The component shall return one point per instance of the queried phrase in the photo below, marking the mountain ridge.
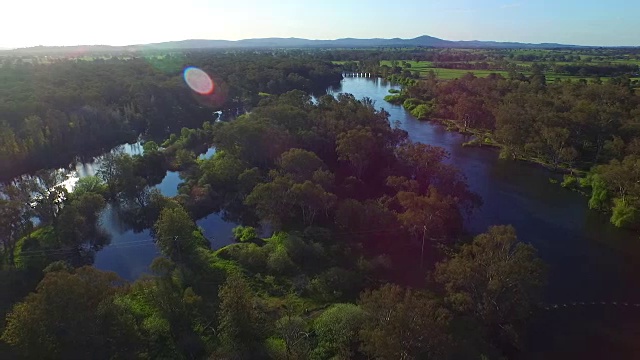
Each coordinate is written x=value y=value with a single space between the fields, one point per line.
x=293 y=42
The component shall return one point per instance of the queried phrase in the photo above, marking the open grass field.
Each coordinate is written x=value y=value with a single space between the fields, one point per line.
x=423 y=67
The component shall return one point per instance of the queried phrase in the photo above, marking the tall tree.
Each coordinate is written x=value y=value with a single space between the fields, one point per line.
x=239 y=328
x=337 y=329
x=403 y=324
x=497 y=280
x=176 y=233
x=61 y=320
x=357 y=146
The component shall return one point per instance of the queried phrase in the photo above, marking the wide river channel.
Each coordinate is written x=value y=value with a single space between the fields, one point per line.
x=589 y=260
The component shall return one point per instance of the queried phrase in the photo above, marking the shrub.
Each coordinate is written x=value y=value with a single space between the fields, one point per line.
x=244 y=233
x=624 y=214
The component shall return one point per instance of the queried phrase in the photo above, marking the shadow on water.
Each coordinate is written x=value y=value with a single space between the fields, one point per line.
x=129 y=252
x=588 y=258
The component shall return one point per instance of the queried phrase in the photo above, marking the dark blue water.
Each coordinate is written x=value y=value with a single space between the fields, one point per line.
x=589 y=259
x=130 y=253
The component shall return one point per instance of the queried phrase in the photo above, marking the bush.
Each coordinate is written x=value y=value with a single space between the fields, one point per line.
x=396 y=99
x=335 y=283
x=276 y=348
x=411 y=103
x=248 y=255
x=245 y=233
x=422 y=111
x=569 y=182
x=624 y=215
x=599 y=193
x=279 y=262
x=337 y=330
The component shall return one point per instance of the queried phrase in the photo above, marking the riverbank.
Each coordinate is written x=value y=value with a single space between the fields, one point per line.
x=484 y=139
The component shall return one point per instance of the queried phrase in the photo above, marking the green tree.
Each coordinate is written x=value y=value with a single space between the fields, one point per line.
x=245 y=233
x=495 y=279
x=293 y=330
x=311 y=198
x=337 y=329
x=63 y=318
x=89 y=184
x=300 y=164
x=177 y=235
x=272 y=201
x=50 y=194
x=357 y=146
x=239 y=328
x=404 y=324
x=15 y=217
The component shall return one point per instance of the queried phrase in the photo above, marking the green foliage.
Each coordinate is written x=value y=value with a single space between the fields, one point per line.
x=239 y=328
x=411 y=103
x=89 y=184
x=396 y=99
x=495 y=279
x=357 y=146
x=41 y=325
x=82 y=107
x=245 y=233
x=569 y=181
x=276 y=348
x=150 y=147
x=335 y=284
x=599 y=193
x=624 y=214
x=177 y=235
x=337 y=330
x=300 y=164
x=422 y=111
x=404 y=323
x=293 y=330
x=279 y=262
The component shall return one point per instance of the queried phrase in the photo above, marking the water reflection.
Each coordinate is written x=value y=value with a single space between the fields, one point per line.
x=588 y=258
x=130 y=252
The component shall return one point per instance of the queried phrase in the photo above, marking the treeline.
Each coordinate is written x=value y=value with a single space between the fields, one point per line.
x=361 y=217
x=566 y=124
x=51 y=112
x=596 y=70
x=577 y=69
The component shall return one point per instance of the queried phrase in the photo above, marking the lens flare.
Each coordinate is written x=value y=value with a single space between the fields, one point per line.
x=198 y=81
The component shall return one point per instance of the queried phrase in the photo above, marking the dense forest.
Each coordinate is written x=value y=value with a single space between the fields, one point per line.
x=53 y=111
x=368 y=257
x=577 y=126
x=366 y=254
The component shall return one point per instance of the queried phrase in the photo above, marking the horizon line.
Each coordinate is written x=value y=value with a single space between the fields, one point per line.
x=7 y=48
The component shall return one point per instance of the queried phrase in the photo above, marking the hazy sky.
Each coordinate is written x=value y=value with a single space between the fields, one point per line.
x=124 y=22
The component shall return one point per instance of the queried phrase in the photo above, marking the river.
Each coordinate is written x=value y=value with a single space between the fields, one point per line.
x=130 y=253
x=589 y=260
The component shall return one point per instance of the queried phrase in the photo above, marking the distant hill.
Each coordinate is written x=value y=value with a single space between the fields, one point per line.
x=425 y=41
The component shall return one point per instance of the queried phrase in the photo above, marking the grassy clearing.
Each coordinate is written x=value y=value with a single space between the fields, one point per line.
x=423 y=67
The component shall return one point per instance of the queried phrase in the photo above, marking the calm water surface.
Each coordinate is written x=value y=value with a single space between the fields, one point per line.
x=589 y=259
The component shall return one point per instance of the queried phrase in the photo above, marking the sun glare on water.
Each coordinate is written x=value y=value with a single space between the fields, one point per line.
x=198 y=81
